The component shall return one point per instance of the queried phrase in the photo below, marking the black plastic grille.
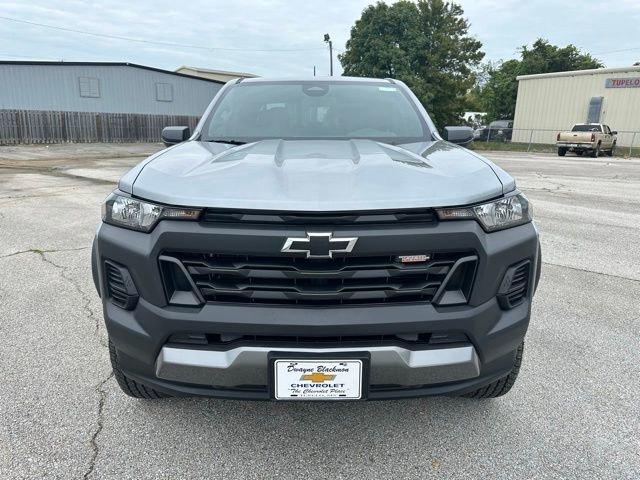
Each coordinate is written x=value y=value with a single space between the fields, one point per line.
x=519 y=285
x=120 y=287
x=292 y=280
x=225 y=341
x=421 y=216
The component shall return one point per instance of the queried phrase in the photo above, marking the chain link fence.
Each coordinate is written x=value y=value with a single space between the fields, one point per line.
x=525 y=139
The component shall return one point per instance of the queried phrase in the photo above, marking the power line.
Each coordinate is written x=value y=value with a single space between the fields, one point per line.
x=154 y=42
x=617 y=51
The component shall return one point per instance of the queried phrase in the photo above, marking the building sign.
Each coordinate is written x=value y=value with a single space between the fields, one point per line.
x=632 y=82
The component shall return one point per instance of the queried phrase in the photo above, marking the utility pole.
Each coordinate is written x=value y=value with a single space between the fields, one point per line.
x=327 y=39
x=314 y=70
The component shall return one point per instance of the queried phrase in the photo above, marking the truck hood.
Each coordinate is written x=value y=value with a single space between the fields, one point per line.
x=316 y=175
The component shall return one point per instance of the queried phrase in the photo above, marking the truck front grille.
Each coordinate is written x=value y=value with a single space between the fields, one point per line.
x=228 y=341
x=348 y=280
x=422 y=216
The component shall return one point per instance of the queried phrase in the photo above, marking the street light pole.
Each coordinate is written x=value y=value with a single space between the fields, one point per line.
x=327 y=39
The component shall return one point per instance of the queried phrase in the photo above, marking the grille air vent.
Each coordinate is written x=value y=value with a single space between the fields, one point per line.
x=120 y=287
x=421 y=216
x=227 y=340
x=515 y=285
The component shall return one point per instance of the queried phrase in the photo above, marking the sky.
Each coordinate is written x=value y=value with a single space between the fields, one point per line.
x=285 y=38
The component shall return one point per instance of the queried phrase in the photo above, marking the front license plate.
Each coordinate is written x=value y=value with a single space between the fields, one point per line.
x=307 y=379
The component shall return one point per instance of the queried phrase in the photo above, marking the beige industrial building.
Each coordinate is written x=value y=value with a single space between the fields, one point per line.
x=218 y=75
x=551 y=102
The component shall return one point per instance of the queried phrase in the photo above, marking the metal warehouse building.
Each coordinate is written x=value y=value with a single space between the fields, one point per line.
x=551 y=102
x=96 y=101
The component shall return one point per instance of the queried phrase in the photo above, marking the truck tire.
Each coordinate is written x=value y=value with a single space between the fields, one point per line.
x=612 y=152
x=129 y=386
x=502 y=385
x=94 y=267
x=538 y=269
x=562 y=152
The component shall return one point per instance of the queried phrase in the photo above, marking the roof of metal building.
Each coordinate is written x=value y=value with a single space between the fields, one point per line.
x=220 y=72
x=575 y=73
x=106 y=64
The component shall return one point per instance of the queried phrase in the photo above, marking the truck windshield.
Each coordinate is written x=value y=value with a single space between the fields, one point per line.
x=585 y=128
x=315 y=110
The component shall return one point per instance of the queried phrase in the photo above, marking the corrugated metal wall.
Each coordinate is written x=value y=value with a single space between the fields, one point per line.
x=556 y=103
x=122 y=89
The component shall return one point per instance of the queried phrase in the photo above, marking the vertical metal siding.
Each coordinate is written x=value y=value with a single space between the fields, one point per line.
x=556 y=103
x=123 y=89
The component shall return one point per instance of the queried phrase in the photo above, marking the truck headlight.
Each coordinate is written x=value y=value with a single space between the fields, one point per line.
x=507 y=212
x=135 y=214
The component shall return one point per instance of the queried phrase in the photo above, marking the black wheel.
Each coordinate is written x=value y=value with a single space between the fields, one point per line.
x=562 y=152
x=127 y=385
x=502 y=385
x=595 y=153
x=612 y=152
x=579 y=153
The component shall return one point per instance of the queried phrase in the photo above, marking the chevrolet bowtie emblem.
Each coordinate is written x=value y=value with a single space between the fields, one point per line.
x=317 y=377
x=319 y=245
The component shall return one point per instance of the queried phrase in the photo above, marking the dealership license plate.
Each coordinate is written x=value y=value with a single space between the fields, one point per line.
x=307 y=379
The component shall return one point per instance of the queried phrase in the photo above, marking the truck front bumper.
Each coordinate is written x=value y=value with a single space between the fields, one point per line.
x=249 y=365
x=242 y=371
x=484 y=335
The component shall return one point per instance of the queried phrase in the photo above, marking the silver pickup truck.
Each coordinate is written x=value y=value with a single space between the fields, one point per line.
x=316 y=240
x=594 y=138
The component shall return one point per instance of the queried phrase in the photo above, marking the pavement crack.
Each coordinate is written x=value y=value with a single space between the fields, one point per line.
x=93 y=442
x=555 y=186
x=41 y=251
x=577 y=269
x=86 y=305
x=86 y=300
x=100 y=390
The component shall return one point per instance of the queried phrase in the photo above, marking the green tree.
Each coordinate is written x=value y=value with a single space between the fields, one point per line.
x=424 y=44
x=473 y=100
x=500 y=92
x=501 y=89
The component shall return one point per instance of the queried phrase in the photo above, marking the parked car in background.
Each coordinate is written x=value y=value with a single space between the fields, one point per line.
x=592 y=138
x=498 y=130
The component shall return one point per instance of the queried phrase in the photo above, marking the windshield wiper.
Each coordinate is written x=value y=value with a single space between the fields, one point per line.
x=230 y=141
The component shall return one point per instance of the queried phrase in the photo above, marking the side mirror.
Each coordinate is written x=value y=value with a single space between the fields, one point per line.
x=458 y=135
x=174 y=135
x=614 y=132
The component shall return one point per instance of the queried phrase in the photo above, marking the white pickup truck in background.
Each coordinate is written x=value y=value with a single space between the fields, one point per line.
x=594 y=138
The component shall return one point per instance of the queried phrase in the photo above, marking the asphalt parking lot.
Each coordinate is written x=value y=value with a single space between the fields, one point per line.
x=574 y=412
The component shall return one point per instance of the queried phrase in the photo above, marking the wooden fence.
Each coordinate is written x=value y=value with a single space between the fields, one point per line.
x=34 y=126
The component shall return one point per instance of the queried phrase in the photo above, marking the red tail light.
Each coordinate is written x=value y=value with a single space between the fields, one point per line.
x=558 y=137
x=593 y=137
